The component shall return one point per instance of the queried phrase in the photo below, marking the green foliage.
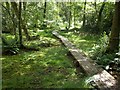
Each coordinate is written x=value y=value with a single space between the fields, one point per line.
x=83 y=40
x=77 y=84
x=49 y=67
x=9 y=50
x=60 y=13
x=105 y=59
x=92 y=17
x=102 y=45
x=44 y=68
x=99 y=51
x=92 y=45
x=107 y=17
x=9 y=45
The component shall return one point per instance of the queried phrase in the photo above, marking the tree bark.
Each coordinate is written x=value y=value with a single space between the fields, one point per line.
x=114 y=37
x=24 y=25
x=13 y=20
x=84 y=14
x=14 y=5
x=69 y=15
x=45 y=5
x=99 y=17
x=7 y=8
x=74 y=16
x=20 y=31
x=95 y=6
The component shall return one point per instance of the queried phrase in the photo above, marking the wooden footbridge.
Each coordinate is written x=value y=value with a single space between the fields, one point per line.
x=99 y=76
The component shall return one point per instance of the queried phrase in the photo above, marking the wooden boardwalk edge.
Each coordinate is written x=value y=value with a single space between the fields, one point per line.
x=98 y=75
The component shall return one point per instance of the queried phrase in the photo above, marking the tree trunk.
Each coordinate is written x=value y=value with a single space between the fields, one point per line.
x=14 y=6
x=14 y=24
x=114 y=37
x=45 y=5
x=84 y=14
x=24 y=22
x=8 y=8
x=74 y=16
x=44 y=15
x=99 y=17
x=20 y=31
x=95 y=6
x=69 y=15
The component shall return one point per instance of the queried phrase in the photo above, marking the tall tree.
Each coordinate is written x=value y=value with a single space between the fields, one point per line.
x=115 y=30
x=15 y=8
x=11 y=15
x=23 y=21
x=84 y=14
x=44 y=15
x=20 y=31
x=74 y=15
x=70 y=16
x=95 y=6
x=45 y=5
x=99 y=16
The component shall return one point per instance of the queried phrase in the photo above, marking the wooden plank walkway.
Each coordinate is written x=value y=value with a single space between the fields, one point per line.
x=98 y=75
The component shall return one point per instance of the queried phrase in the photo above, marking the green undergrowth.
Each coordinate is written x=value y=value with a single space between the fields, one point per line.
x=50 y=67
x=94 y=46
x=84 y=41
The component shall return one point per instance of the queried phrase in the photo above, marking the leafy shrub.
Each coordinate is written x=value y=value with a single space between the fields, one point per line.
x=10 y=50
x=9 y=46
x=100 y=54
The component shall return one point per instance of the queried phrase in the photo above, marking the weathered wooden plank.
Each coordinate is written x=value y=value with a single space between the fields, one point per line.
x=101 y=77
x=89 y=68
x=104 y=80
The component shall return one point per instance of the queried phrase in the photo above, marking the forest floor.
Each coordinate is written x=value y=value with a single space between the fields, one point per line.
x=50 y=67
x=94 y=46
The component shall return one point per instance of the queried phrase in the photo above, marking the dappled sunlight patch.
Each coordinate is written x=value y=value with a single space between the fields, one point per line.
x=28 y=66
x=84 y=41
x=49 y=67
x=2 y=58
x=45 y=68
x=42 y=42
x=8 y=37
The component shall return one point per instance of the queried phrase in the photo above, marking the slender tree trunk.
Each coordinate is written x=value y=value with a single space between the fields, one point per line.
x=99 y=17
x=84 y=14
x=14 y=24
x=8 y=7
x=95 y=6
x=69 y=16
x=15 y=8
x=66 y=14
x=24 y=22
x=114 y=37
x=12 y=17
x=74 y=17
x=44 y=15
x=14 y=5
x=45 y=5
x=20 y=31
